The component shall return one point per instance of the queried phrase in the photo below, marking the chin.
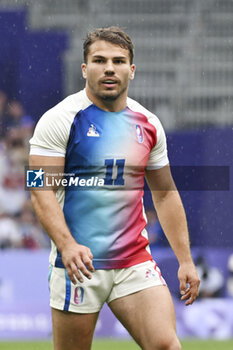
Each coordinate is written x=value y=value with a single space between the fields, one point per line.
x=111 y=96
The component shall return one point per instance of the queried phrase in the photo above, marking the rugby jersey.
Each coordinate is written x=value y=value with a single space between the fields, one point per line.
x=113 y=149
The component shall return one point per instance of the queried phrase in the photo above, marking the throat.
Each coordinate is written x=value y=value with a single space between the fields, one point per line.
x=108 y=101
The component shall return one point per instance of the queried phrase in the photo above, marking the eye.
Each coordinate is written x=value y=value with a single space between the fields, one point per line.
x=99 y=60
x=119 y=61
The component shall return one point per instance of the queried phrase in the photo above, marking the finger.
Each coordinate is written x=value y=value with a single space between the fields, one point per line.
x=195 y=292
x=70 y=274
x=186 y=295
x=87 y=258
x=90 y=254
x=74 y=277
x=183 y=286
x=192 y=297
x=194 y=287
x=190 y=300
x=88 y=263
x=84 y=270
x=74 y=273
x=194 y=284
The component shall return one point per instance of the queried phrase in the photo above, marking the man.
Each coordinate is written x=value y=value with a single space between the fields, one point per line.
x=100 y=249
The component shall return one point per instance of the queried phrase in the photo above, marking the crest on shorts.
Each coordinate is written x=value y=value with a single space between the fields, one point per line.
x=139 y=132
x=78 y=295
x=149 y=273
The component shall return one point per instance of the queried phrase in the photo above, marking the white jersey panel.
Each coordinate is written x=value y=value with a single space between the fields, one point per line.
x=53 y=129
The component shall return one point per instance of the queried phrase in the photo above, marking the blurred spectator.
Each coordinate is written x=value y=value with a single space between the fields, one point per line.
x=10 y=236
x=14 y=114
x=22 y=232
x=32 y=234
x=27 y=127
x=16 y=150
x=212 y=281
x=15 y=118
x=3 y=162
x=3 y=103
x=19 y=228
x=230 y=278
x=155 y=232
x=14 y=157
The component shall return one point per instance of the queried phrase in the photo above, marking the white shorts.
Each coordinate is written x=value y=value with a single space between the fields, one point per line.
x=105 y=286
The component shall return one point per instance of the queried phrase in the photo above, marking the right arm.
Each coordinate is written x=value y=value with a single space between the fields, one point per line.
x=75 y=257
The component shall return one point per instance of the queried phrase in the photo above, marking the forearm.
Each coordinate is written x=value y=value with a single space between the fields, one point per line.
x=75 y=256
x=51 y=217
x=172 y=218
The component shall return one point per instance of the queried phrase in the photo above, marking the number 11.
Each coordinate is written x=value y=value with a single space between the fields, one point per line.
x=119 y=180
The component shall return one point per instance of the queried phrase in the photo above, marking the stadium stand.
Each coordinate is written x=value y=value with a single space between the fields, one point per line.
x=184 y=51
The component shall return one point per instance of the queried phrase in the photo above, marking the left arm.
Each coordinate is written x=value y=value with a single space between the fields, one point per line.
x=172 y=218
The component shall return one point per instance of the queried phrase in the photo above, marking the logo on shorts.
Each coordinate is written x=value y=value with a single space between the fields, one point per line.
x=35 y=178
x=78 y=295
x=149 y=273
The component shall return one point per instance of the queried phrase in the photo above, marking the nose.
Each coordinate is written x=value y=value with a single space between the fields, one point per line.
x=109 y=68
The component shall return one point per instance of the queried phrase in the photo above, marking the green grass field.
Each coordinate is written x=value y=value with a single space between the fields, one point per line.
x=121 y=345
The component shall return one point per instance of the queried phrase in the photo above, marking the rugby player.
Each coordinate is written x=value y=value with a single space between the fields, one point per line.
x=100 y=250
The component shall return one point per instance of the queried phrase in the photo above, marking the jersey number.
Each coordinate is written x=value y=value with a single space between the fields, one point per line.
x=119 y=180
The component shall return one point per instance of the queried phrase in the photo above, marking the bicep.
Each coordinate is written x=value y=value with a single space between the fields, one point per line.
x=53 y=167
x=160 y=182
x=45 y=161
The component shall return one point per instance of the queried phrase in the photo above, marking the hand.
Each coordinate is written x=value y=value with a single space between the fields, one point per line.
x=76 y=258
x=189 y=282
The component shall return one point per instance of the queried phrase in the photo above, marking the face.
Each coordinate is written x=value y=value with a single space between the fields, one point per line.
x=107 y=72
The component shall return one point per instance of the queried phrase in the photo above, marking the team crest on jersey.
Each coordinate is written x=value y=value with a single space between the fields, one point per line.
x=92 y=132
x=139 y=132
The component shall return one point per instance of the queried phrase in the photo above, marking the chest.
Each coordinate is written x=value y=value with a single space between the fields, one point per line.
x=97 y=136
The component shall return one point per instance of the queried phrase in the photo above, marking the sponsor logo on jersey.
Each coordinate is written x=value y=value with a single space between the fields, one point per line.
x=92 y=132
x=78 y=295
x=35 y=178
x=139 y=132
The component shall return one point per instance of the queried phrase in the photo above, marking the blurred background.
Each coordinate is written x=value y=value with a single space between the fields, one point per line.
x=184 y=59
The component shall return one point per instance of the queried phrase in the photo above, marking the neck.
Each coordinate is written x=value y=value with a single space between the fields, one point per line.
x=107 y=104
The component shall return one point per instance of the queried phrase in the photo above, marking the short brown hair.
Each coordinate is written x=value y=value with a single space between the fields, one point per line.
x=114 y=35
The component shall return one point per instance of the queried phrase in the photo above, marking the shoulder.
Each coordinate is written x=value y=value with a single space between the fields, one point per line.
x=68 y=108
x=158 y=157
x=58 y=119
x=53 y=128
x=137 y=107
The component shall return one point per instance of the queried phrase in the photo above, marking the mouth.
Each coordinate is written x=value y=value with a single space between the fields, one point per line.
x=109 y=83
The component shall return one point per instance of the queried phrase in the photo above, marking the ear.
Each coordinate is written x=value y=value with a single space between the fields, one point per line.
x=84 y=70
x=132 y=73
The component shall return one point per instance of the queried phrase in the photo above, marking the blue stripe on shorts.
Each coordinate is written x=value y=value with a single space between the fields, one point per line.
x=68 y=292
x=50 y=272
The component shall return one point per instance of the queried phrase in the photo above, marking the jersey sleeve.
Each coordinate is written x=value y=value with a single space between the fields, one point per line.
x=51 y=135
x=158 y=156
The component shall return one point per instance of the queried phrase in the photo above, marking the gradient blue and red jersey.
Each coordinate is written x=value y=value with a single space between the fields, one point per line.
x=115 y=148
